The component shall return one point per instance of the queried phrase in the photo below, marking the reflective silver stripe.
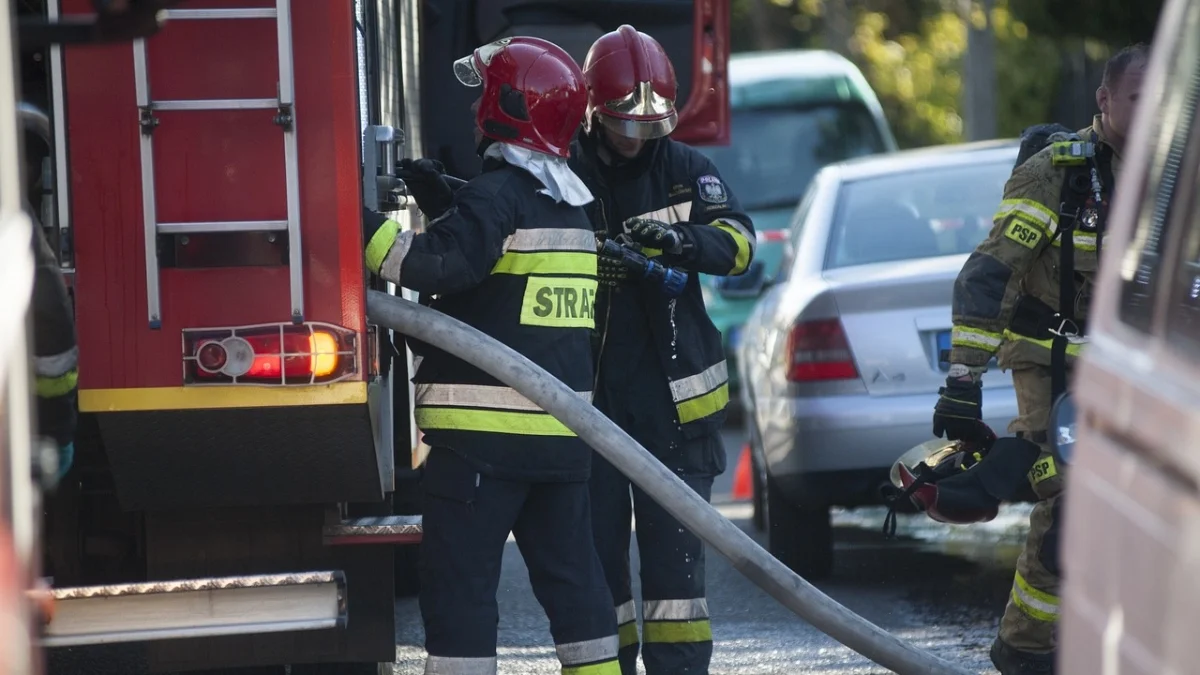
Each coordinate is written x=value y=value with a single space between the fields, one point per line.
x=588 y=651
x=961 y=335
x=56 y=365
x=675 y=610
x=1038 y=212
x=698 y=385
x=479 y=396
x=751 y=240
x=625 y=613
x=390 y=269
x=1042 y=610
x=449 y=665
x=523 y=241
x=676 y=213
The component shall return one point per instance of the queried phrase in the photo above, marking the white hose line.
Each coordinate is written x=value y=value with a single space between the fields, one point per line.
x=631 y=459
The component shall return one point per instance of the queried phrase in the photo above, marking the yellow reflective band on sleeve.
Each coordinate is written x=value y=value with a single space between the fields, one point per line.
x=1043 y=469
x=1020 y=231
x=555 y=262
x=1034 y=212
x=381 y=242
x=974 y=338
x=703 y=406
x=53 y=387
x=490 y=421
x=1038 y=605
x=628 y=634
x=678 y=631
x=1073 y=348
x=559 y=302
x=741 y=259
x=612 y=667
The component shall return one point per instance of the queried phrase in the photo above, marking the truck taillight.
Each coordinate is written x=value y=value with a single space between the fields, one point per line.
x=818 y=351
x=279 y=354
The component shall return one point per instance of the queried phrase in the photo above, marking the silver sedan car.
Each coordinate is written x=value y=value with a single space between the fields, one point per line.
x=841 y=359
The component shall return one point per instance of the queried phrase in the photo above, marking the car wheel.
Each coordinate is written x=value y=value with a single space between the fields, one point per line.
x=758 y=517
x=799 y=537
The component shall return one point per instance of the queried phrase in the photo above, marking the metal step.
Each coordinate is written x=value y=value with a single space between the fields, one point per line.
x=375 y=530
x=187 y=608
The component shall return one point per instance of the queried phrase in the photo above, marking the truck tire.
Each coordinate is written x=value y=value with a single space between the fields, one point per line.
x=799 y=537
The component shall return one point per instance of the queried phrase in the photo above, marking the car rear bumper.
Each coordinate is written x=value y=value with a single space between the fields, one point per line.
x=856 y=437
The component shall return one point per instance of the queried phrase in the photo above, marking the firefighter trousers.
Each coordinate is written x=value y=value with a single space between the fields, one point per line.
x=1030 y=622
x=467 y=518
x=676 y=631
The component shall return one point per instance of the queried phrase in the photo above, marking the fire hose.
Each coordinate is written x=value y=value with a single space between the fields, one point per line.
x=631 y=459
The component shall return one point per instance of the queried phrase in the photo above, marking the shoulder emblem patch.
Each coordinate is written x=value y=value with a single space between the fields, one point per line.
x=712 y=190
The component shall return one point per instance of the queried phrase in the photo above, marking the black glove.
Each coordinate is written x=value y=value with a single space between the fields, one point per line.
x=426 y=182
x=959 y=411
x=610 y=270
x=655 y=234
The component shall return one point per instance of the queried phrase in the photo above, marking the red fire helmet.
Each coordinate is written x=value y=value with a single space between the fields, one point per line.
x=631 y=85
x=533 y=93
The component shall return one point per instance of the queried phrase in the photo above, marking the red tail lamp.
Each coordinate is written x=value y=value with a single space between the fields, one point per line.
x=283 y=354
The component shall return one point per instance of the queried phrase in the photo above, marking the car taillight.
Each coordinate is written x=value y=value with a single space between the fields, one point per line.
x=818 y=350
x=281 y=354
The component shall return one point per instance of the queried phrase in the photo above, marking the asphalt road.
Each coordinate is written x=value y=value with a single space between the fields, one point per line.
x=941 y=587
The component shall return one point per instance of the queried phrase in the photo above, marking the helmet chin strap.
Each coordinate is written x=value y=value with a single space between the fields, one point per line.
x=484 y=144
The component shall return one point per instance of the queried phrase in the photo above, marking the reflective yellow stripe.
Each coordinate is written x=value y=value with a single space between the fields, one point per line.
x=701 y=383
x=1083 y=241
x=1037 y=604
x=703 y=406
x=1073 y=348
x=1036 y=212
x=222 y=397
x=580 y=657
x=52 y=387
x=575 y=263
x=559 y=302
x=612 y=667
x=964 y=336
x=628 y=634
x=678 y=631
x=381 y=242
x=1022 y=231
x=490 y=421
x=741 y=260
x=1043 y=469
x=56 y=364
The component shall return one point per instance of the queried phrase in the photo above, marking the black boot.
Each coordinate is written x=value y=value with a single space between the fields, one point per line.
x=1011 y=661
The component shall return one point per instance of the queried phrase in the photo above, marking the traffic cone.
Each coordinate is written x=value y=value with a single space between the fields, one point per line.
x=743 y=486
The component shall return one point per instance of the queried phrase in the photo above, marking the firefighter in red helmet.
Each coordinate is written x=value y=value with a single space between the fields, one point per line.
x=512 y=253
x=661 y=367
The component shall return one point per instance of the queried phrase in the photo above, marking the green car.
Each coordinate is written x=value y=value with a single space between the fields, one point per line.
x=794 y=111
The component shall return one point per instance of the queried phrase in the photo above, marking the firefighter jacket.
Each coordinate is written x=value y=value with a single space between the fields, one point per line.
x=675 y=184
x=521 y=268
x=55 y=352
x=1019 y=260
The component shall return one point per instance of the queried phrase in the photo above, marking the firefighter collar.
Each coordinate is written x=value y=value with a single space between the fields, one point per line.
x=561 y=183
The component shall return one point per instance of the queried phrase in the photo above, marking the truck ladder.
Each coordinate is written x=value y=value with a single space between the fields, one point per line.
x=286 y=119
x=188 y=608
x=375 y=530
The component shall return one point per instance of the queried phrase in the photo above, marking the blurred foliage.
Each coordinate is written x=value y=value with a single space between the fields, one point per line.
x=912 y=51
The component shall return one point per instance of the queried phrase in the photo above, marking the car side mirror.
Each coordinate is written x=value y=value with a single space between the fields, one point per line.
x=1062 y=429
x=748 y=284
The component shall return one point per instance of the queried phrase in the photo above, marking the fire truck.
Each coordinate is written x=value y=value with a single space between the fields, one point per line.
x=245 y=491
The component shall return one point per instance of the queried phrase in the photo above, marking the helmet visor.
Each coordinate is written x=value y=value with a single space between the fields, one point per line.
x=643 y=129
x=467 y=73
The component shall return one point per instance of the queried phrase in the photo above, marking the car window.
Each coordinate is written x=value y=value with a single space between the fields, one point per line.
x=794 y=229
x=1183 y=309
x=774 y=152
x=1142 y=265
x=919 y=213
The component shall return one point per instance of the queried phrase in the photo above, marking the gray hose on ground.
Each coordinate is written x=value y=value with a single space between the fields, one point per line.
x=631 y=459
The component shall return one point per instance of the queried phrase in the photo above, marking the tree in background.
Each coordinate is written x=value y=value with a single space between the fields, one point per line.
x=912 y=52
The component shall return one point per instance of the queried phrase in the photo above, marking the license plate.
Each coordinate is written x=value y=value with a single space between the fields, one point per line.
x=943 y=349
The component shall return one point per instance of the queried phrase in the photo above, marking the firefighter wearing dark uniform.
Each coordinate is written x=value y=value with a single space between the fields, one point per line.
x=1009 y=301
x=661 y=373
x=513 y=255
x=55 y=353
